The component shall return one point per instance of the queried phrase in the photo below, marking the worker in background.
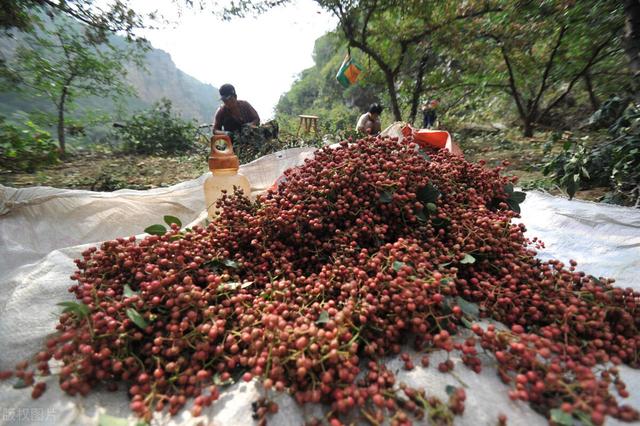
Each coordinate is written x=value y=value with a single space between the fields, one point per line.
x=369 y=122
x=241 y=122
x=233 y=114
x=429 y=115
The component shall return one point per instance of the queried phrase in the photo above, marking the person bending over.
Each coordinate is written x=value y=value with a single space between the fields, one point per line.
x=233 y=114
x=241 y=122
x=369 y=122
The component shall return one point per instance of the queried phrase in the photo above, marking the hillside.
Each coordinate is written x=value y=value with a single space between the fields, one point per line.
x=192 y=98
x=158 y=78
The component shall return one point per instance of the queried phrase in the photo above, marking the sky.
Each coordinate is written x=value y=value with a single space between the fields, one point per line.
x=259 y=56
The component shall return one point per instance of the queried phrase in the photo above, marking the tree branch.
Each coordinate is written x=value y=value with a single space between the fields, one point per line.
x=370 y=11
x=86 y=17
x=430 y=30
x=512 y=79
x=547 y=70
x=405 y=43
x=457 y=101
x=403 y=51
x=418 y=89
x=594 y=59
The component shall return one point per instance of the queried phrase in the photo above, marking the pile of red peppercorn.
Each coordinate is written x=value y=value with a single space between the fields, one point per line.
x=365 y=248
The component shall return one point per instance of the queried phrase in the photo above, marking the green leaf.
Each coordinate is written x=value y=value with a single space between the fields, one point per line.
x=218 y=381
x=561 y=417
x=218 y=263
x=397 y=265
x=323 y=318
x=508 y=188
x=428 y=194
x=468 y=308
x=447 y=304
x=20 y=384
x=513 y=206
x=518 y=196
x=584 y=417
x=106 y=420
x=156 y=229
x=431 y=208
x=137 y=318
x=128 y=292
x=79 y=309
x=450 y=390
x=439 y=222
x=585 y=172
x=230 y=285
x=571 y=186
x=466 y=322
x=386 y=197
x=423 y=154
x=169 y=220
x=230 y=263
x=468 y=259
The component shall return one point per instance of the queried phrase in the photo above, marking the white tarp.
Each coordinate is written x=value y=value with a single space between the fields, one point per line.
x=43 y=229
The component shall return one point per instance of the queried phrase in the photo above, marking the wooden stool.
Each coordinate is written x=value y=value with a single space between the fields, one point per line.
x=309 y=122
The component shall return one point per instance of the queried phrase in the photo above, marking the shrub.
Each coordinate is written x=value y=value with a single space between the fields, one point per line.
x=157 y=131
x=615 y=162
x=25 y=147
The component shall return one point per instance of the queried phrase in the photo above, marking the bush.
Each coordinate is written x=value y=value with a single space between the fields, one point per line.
x=158 y=131
x=25 y=148
x=614 y=162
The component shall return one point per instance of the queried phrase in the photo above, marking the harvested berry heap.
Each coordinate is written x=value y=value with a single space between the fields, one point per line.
x=367 y=247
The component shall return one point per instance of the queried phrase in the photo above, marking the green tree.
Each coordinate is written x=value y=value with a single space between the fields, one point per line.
x=158 y=131
x=542 y=49
x=25 y=146
x=317 y=92
x=632 y=40
x=61 y=64
x=99 y=22
x=390 y=33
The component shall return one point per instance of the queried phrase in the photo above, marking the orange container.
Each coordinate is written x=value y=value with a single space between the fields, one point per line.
x=433 y=138
x=407 y=131
x=224 y=175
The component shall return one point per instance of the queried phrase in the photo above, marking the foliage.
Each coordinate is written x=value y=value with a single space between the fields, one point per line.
x=568 y=168
x=539 y=51
x=25 y=147
x=625 y=157
x=524 y=58
x=158 y=131
x=99 y=22
x=614 y=163
x=316 y=92
x=61 y=64
x=608 y=113
x=157 y=77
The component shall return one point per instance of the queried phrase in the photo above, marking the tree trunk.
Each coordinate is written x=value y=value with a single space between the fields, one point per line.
x=417 y=91
x=527 y=130
x=632 y=40
x=393 y=96
x=595 y=103
x=61 y=136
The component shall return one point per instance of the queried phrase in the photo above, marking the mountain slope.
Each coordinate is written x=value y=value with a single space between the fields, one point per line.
x=194 y=99
x=159 y=78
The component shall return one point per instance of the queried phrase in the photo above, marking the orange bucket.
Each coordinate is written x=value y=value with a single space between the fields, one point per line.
x=433 y=138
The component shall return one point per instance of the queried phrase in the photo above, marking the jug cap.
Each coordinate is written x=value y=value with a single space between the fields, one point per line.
x=222 y=159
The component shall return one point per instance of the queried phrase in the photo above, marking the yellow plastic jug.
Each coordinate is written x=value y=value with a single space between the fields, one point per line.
x=224 y=167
